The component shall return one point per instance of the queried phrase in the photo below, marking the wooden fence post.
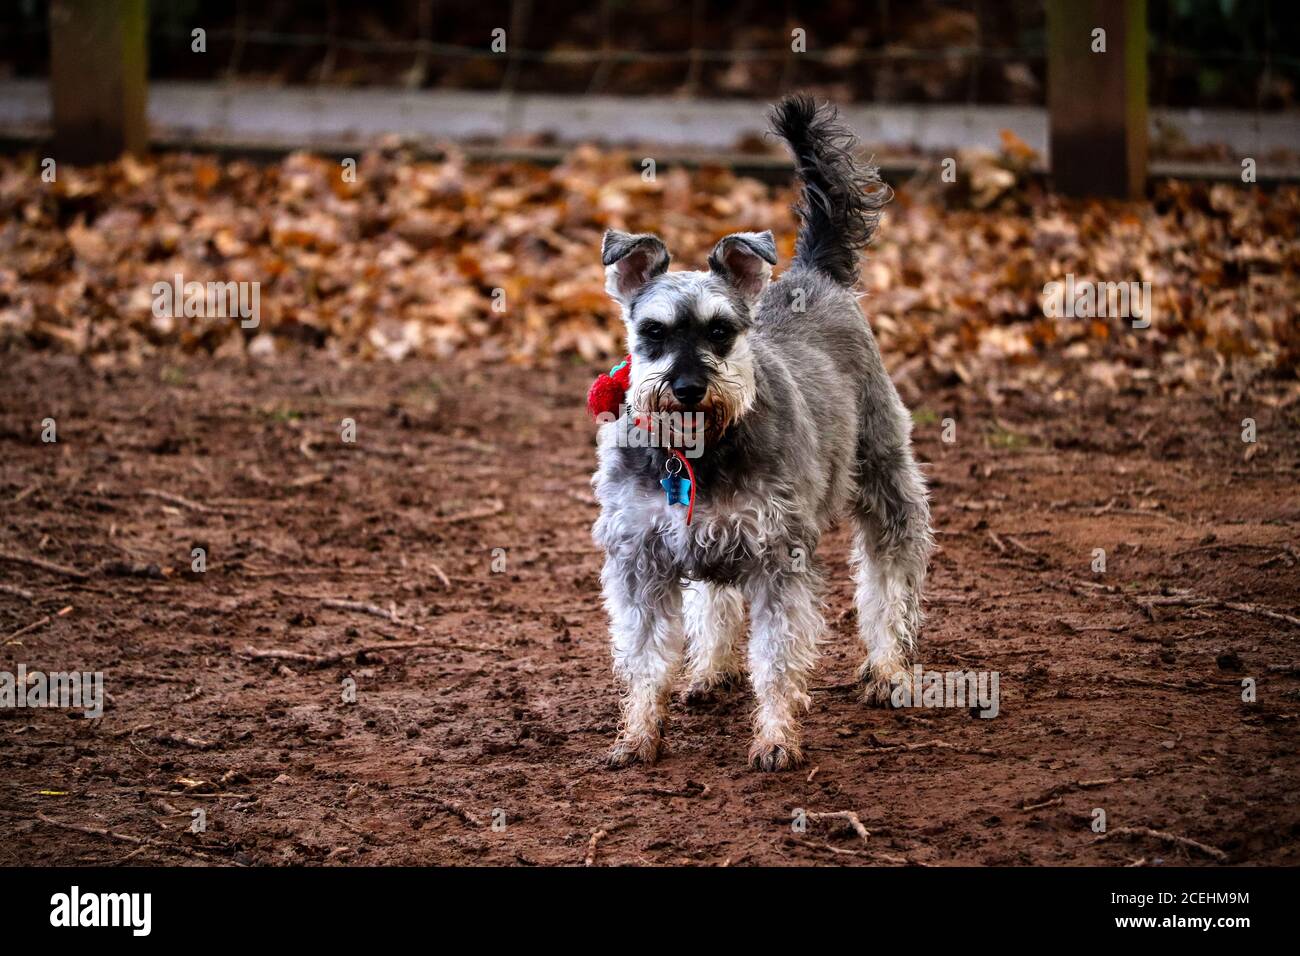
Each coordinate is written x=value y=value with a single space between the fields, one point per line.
x=98 y=69
x=1098 y=100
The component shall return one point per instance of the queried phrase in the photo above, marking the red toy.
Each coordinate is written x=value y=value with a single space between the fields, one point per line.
x=608 y=391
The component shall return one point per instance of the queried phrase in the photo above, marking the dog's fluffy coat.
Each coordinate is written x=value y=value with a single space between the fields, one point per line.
x=811 y=430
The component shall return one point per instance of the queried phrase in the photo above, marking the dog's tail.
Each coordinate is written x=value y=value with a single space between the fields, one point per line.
x=839 y=206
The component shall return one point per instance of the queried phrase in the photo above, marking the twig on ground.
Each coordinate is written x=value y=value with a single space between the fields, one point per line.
x=494 y=507
x=1263 y=611
x=929 y=745
x=1024 y=548
x=602 y=832
x=388 y=614
x=191 y=795
x=180 y=502
x=44 y=565
x=690 y=790
x=848 y=815
x=826 y=688
x=455 y=809
x=1039 y=806
x=17 y=592
x=1210 y=851
x=1090 y=784
x=1143 y=639
x=321 y=660
x=1093 y=585
x=869 y=854
x=134 y=840
x=1143 y=513
x=359 y=831
x=1142 y=682
x=134 y=853
x=37 y=624
x=833 y=849
x=161 y=678
x=183 y=741
x=361 y=607
x=591 y=847
x=129 y=731
x=312 y=572
x=1109 y=628
x=1149 y=601
x=1222 y=546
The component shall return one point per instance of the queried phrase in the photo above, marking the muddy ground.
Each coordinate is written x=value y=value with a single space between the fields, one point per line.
x=1108 y=699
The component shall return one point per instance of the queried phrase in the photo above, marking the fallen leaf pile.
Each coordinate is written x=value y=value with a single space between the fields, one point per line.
x=501 y=262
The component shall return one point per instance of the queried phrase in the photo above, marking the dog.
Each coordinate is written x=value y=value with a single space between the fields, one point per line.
x=804 y=427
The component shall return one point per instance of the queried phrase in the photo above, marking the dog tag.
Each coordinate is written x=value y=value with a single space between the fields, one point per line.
x=678 y=489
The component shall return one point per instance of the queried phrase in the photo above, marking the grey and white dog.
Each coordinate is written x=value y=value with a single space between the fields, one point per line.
x=805 y=427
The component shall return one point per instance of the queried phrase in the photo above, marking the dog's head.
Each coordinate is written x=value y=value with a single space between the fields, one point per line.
x=687 y=330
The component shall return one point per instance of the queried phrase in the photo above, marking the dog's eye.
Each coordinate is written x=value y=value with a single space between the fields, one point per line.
x=653 y=331
x=719 y=331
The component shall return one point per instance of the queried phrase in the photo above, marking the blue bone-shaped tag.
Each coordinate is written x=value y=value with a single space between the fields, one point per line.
x=678 y=489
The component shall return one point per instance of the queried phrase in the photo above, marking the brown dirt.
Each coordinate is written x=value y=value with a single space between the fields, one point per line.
x=512 y=704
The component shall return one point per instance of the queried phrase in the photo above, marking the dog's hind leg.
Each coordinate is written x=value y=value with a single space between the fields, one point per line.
x=891 y=547
x=786 y=624
x=646 y=628
x=715 y=624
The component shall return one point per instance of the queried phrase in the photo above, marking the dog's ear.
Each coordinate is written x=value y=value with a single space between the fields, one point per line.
x=630 y=262
x=745 y=260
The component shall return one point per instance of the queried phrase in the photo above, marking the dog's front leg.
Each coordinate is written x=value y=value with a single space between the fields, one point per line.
x=645 y=611
x=714 y=617
x=786 y=621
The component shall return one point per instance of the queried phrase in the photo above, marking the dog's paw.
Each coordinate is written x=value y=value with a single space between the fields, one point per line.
x=629 y=750
x=773 y=757
x=879 y=683
x=878 y=693
x=704 y=692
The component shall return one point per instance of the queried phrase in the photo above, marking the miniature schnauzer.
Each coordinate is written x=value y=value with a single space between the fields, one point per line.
x=804 y=428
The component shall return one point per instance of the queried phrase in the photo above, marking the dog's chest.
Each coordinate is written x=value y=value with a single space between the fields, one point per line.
x=726 y=540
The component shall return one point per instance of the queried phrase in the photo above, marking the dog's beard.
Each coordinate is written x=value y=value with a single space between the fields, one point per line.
x=727 y=398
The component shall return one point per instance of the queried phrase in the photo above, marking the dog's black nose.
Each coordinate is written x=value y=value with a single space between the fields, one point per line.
x=688 y=391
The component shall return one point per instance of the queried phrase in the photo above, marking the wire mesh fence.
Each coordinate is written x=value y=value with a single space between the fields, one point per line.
x=1203 y=52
